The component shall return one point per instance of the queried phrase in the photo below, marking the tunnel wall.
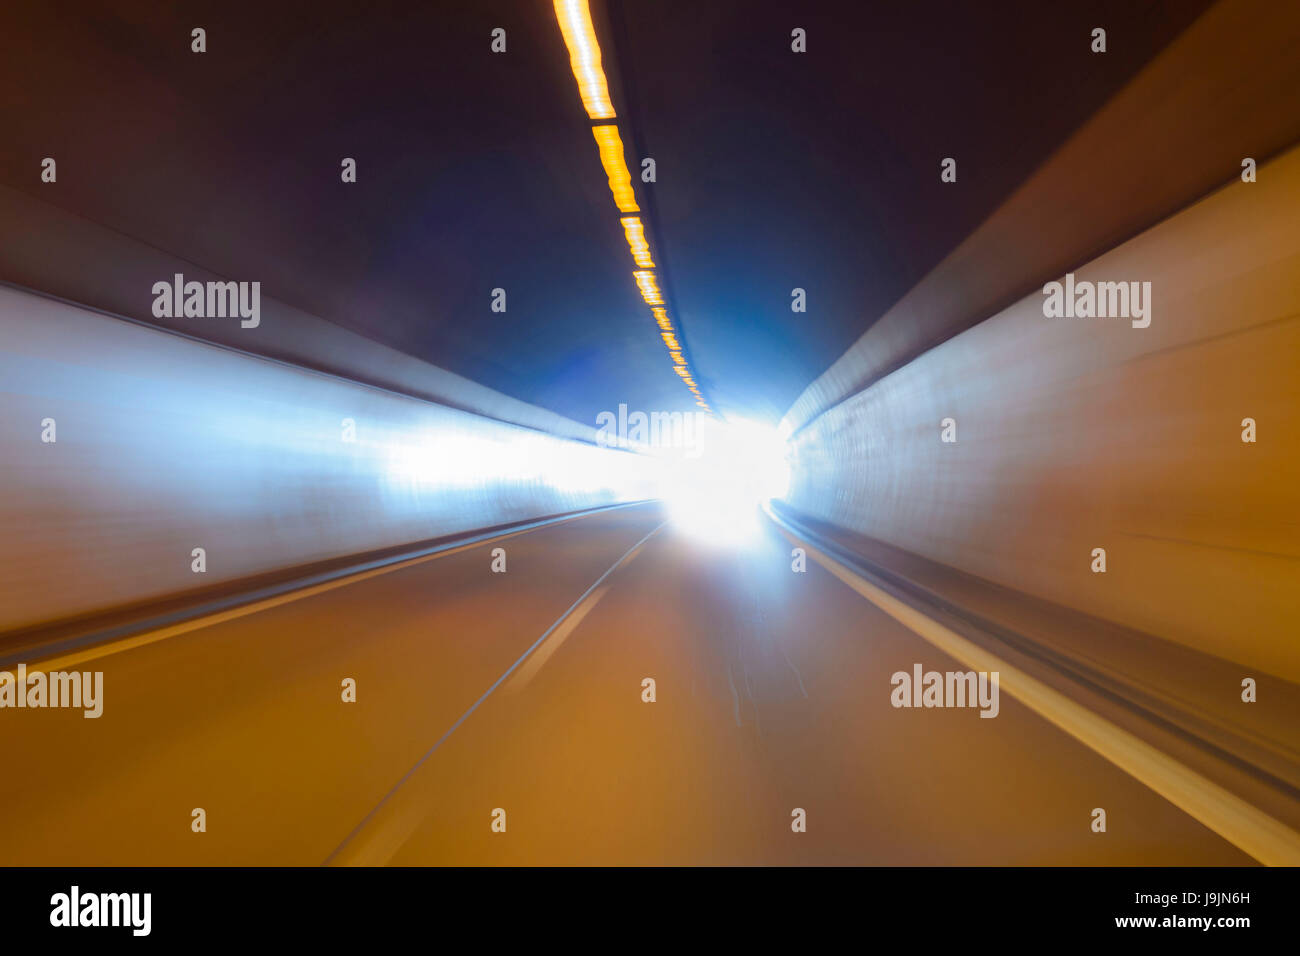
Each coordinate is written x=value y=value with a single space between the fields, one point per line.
x=91 y=265
x=1171 y=136
x=1082 y=433
x=164 y=444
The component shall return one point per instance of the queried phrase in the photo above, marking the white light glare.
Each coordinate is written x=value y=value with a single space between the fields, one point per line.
x=716 y=495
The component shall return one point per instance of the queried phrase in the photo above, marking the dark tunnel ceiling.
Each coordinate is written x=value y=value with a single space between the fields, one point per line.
x=477 y=170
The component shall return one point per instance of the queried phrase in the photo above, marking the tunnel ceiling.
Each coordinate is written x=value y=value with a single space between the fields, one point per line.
x=477 y=170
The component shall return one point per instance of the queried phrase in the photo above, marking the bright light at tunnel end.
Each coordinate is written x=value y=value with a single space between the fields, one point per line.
x=715 y=493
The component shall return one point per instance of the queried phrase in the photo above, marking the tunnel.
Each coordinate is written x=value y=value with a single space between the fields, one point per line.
x=606 y=434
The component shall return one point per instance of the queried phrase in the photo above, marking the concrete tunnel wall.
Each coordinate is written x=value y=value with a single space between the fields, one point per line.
x=165 y=444
x=1080 y=433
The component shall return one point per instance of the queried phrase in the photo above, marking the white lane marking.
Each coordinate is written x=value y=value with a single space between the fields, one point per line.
x=543 y=654
x=94 y=652
x=375 y=845
x=1244 y=826
x=569 y=625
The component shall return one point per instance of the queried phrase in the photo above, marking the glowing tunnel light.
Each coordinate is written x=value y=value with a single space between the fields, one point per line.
x=636 y=241
x=574 y=17
x=611 y=157
x=716 y=494
x=649 y=286
x=584 y=57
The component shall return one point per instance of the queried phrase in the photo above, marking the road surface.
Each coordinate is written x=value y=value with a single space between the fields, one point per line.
x=772 y=696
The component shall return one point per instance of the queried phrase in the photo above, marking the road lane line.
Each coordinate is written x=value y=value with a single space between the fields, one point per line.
x=1244 y=826
x=575 y=616
x=389 y=831
x=543 y=654
x=96 y=651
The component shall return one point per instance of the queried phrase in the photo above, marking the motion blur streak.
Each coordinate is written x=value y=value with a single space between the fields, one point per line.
x=635 y=233
x=620 y=184
x=1185 y=114
x=166 y=444
x=1232 y=818
x=384 y=830
x=649 y=287
x=1095 y=434
x=618 y=656
x=584 y=56
x=615 y=164
x=772 y=686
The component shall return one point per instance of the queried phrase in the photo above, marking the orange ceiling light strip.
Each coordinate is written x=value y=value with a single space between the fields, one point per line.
x=584 y=57
x=649 y=286
x=574 y=17
x=636 y=241
x=611 y=157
